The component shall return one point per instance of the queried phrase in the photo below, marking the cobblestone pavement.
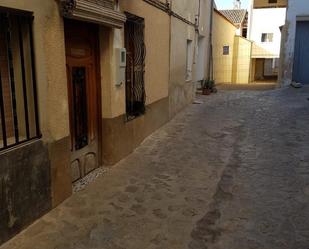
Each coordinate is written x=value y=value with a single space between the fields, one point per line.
x=231 y=173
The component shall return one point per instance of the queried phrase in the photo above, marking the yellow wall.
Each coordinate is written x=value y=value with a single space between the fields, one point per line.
x=223 y=35
x=252 y=70
x=157 y=47
x=265 y=3
x=181 y=88
x=186 y=8
x=113 y=97
x=50 y=66
x=241 y=60
x=156 y=61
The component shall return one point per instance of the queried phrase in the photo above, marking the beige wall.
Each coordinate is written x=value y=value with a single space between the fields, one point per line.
x=201 y=65
x=266 y=4
x=50 y=66
x=241 y=60
x=113 y=97
x=223 y=35
x=181 y=90
x=186 y=8
x=205 y=15
x=156 y=62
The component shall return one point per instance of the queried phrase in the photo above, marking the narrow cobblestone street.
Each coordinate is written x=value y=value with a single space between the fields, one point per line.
x=231 y=173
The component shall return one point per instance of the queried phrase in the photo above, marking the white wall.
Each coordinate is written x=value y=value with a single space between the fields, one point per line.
x=297 y=9
x=201 y=58
x=267 y=20
x=201 y=61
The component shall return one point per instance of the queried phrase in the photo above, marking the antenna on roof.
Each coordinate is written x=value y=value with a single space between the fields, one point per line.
x=237 y=4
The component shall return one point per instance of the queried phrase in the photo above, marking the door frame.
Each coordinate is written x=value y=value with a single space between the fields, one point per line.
x=98 y=87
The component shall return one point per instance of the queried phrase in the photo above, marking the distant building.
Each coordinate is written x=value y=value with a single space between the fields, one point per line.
x=239 y=17
x=295 y=45
x=266 y=17
x=231 y=52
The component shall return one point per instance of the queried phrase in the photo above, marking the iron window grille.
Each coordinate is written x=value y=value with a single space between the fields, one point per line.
x=19 y=121
x=135 y=69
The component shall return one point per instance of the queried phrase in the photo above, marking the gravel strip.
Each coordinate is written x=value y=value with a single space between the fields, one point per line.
x=82 y=183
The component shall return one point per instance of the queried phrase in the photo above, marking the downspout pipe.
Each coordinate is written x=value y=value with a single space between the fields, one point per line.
x=210 y=61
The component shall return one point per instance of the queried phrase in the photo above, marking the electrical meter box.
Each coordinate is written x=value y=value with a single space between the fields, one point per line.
x=121 y=63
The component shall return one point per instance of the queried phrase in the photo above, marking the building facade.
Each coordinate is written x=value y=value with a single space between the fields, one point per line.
x=231 y=52
x=295 y=48
x=82 y=84
x=239 y=17
x=266 y=36
x=190 y=29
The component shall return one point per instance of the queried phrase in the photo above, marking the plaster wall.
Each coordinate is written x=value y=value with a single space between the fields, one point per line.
x=156 y=61
x=186 y=8
x=241 y=60
x=181 y=88
x=296 y=10
x=201 y=61
x=50 y=66
x=267 y=20
x=266 y=4
x=47 y=157
x=205 y=15
x=119 y=136
x=223 y=35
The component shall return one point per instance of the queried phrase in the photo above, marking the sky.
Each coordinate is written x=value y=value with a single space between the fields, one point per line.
x=228 y=4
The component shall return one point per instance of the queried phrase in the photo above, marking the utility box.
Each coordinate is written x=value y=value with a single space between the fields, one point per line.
x=121 y=63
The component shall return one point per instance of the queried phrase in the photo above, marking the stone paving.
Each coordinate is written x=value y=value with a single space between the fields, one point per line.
x=231 y=173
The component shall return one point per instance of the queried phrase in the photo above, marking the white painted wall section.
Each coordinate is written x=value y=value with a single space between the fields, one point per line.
x=267 y=20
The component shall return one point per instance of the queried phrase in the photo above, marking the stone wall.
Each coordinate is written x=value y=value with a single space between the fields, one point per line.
x=25 y=192
x=296 y=10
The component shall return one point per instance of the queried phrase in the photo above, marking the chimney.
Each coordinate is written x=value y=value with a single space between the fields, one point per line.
x=237 y=4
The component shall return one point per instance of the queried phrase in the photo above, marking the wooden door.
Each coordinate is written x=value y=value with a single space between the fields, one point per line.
x=81 y=41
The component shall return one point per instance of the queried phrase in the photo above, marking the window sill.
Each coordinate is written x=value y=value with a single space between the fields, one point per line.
x=19 y=144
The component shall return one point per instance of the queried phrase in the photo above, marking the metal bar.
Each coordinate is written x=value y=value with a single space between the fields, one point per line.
x=2 y=111
x=23 y=73
x=11 y=70
x=2 y=115
x=21 y=142
x=35 y=94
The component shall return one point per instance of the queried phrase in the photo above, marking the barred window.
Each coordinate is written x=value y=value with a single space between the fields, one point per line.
x=18 y=96
x=135 y=69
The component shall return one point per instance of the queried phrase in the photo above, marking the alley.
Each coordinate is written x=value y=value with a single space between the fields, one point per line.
x=230 y=173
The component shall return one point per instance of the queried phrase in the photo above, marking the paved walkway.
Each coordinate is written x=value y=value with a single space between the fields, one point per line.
x=232 y=173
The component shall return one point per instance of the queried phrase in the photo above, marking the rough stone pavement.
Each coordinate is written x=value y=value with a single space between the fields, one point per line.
x=231 y=173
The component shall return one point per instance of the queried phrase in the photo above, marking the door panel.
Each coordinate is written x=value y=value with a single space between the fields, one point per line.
x=301 y=53
x=79 y=107
x=82 y=70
